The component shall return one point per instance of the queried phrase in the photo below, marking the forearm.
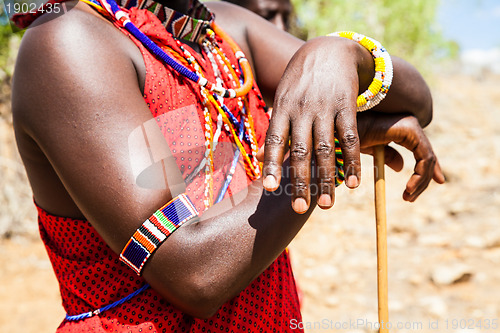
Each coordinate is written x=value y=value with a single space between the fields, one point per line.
x=208 y=262
x=270 y=50
x=409 y=92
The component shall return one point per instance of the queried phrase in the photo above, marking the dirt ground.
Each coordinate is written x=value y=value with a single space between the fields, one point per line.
x=444 y=250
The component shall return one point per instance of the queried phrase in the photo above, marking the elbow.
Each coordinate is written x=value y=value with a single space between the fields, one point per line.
x=426 y=117
x=201 y=311
x=201 y=298
x=426 y=112
x=204 y=306
x=420 y=105
x=426 y=121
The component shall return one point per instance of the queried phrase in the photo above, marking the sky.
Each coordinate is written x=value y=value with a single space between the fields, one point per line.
x=474 y=24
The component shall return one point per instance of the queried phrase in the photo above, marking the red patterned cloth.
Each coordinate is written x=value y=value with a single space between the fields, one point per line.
x=90 y=274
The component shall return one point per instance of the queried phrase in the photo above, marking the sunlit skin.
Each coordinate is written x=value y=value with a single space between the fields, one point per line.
x=275 y=11
x=73 y=121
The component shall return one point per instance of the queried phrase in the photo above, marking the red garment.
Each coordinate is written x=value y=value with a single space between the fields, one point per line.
x=90 y=274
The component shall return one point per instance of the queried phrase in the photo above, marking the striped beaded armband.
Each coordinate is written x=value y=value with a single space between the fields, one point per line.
x=148 y=237
x=382 y=81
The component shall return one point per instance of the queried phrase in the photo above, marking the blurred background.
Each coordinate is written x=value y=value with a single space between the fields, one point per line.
x=444 y=249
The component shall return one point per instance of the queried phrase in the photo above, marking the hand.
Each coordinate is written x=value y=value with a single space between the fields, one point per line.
x=315 y=98
x=377 y=128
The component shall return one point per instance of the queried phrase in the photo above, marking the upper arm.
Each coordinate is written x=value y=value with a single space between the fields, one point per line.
x=77 y=96
x=271 y=49
x=409 y=93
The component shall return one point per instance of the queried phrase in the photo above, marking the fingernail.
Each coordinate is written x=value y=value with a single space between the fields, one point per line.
x=270 y=182
x=325 y=200
x=352 y=181
x=300 y=205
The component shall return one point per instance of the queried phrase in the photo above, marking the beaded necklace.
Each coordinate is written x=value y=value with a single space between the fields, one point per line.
x=232 y=125
x=122 y=18
x=237 y=85
x=213 y=93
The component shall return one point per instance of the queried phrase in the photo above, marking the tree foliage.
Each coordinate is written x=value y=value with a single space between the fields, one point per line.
x=405 y=28
x=9 y=38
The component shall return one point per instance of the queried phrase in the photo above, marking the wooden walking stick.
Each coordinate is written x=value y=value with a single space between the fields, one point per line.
x=381 y=221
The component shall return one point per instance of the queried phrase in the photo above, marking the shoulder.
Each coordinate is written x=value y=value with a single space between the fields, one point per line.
x=79 y=34
x=61 y=34
x=242 y=25
x=233 y=19
x=63 y=54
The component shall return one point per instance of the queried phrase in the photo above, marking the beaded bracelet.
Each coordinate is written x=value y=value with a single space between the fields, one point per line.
x=148 y=237
x=382 y=81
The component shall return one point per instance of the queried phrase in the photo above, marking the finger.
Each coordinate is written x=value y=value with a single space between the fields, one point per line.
x=346 y=126
x=324 y=152
x=420 y=179
x=393 y=159
x=260 y=153
x=438 y=174
x=276 y=139
x=424 y=166
x=300 y=165
x=418 y=183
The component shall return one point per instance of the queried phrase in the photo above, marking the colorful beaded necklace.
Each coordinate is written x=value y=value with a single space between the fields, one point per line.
x=213 y=93
x=204 y=33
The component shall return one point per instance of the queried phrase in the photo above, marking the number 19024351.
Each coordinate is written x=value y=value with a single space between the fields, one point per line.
x=32 y=7
x=469 y=324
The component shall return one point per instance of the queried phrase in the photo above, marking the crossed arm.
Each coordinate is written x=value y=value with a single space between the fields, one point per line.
x=72 y=126
x=316 y=98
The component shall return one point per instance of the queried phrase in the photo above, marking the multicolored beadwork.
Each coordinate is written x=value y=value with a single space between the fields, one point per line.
x=236 y=129
x=122 y=17
x=155 y=230
x=213 y=94
x=339 y=163
x=382 y=81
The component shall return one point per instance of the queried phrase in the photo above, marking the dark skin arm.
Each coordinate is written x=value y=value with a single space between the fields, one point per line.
x=315 y=97
x=72 y=126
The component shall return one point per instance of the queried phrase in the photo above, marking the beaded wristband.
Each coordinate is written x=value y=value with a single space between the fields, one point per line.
x=148 y=237
x=382 y=81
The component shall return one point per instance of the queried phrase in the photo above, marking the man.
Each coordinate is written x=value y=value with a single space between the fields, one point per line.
x=82 y=87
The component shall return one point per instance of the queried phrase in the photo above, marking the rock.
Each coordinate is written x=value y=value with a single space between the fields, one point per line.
x=395 y=305
x=446 y=275
x=459 y=207
x=439 y=240
x=328 y=272
x=476 y=241
x=399 y=240
x=435 y=306
x=493 y=240
x=416 y=279
x=312 y=290
x=332 y=300
x=493 y=255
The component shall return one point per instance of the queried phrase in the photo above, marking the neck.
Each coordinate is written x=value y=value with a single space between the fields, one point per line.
x=181 y=6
